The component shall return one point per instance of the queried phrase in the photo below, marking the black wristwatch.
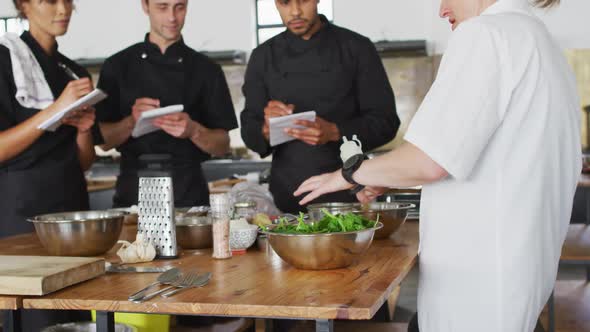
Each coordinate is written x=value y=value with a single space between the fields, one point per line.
x=350 y=166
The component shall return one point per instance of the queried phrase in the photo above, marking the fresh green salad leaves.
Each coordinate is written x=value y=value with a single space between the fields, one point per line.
x=330 y=223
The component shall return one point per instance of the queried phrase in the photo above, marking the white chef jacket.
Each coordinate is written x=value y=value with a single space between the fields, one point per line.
x=503 y=119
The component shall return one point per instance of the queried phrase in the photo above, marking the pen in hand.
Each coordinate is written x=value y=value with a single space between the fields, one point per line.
x=68 y=71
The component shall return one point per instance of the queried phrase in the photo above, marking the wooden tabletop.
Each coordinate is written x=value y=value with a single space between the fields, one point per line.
x=577 y=243
x=10 y=302
x=257 y=284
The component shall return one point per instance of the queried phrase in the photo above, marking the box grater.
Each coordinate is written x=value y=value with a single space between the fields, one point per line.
x=156 y=211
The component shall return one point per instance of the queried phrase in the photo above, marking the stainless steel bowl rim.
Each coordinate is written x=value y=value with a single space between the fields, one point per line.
x=377 y=226
x=109 y=215
x=332 y=205
x=182 y=224
x=401 y=206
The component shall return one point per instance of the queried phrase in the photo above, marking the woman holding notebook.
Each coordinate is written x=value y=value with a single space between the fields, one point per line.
x=41 y=171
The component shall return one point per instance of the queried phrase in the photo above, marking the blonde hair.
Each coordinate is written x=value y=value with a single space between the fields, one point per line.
x=546 y=3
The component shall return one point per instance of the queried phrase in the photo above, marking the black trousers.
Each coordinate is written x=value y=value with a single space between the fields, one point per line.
x=33 y=320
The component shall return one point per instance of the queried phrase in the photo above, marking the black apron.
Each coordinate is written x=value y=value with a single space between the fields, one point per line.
x=50 y=186
x=294 y=162
x=190 y=186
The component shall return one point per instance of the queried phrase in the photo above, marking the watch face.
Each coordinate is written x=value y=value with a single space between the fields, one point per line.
x=351 y=161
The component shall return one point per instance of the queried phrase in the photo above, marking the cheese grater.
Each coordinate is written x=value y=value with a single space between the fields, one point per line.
x=156 y=210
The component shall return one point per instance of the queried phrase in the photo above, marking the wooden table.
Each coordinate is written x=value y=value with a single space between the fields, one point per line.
x=258 y=284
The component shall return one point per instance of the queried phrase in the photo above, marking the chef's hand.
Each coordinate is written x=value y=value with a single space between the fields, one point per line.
x=317 y=133
x=320 y=185
x=143 y=104
x=82 y=119
x=72 y=92
x=273 y=109
x=179 y=125
x=369 y=194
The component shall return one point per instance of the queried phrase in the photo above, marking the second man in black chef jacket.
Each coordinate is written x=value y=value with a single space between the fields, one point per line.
x=315 y=66
x=162 y=71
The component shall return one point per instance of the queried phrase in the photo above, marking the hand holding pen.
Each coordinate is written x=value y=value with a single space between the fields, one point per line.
x=275 y=108
x=68 y=71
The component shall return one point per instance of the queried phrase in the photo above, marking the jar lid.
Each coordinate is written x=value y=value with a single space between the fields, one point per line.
x=246 y=204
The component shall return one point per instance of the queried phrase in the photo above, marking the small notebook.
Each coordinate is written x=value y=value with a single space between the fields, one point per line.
x=90 y=99
x=278 y=125
x=144 y=124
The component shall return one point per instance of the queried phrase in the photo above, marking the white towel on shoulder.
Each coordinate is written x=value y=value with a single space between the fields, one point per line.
x=32 y=89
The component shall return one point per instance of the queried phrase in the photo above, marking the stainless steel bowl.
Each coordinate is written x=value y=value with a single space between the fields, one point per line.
x=321 y=251
x=199 y=211
x=82 y=233
x=130 y=218
x=392 y=215
x=194 y=231
x=315 y=210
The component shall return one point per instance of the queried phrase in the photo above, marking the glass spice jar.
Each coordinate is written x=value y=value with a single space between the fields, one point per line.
x=246 y=210
x=220 y=216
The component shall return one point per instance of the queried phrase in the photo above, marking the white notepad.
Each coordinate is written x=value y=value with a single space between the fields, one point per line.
x=144 y=123
x=278 y=125
x=90 y=99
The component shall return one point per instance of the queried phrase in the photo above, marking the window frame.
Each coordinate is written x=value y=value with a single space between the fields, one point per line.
x=4 y=21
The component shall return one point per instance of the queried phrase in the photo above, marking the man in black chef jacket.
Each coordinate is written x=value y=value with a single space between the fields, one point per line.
x=162 y=71
x=315 y=66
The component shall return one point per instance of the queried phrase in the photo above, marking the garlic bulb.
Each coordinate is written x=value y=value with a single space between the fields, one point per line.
x=136 y=252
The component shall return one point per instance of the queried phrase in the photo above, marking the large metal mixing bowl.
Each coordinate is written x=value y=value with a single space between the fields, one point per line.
x=82 y=233
x=315 y=211
x=391 y=214
x=321 y=251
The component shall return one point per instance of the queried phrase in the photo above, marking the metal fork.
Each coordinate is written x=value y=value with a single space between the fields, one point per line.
x=200 y=281
x=183 y=281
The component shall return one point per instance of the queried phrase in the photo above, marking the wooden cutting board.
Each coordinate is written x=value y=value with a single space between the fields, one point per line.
x=40 y=275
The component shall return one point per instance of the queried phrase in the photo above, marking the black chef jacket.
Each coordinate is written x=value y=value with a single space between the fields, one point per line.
x=179 y=76
x=46 y=177
x=336 y=73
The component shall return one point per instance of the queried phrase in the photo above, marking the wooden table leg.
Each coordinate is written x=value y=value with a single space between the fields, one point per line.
x=269 y=325
x=105 y=321
x=12 y=321
x=323 y=325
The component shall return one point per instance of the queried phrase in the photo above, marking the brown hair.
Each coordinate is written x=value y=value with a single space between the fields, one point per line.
x=18 y=6
x=546 y=3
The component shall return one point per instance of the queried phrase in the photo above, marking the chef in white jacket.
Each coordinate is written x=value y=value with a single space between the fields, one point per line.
x=496 y=144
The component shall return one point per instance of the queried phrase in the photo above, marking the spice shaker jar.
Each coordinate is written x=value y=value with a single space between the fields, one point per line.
x=220 y=215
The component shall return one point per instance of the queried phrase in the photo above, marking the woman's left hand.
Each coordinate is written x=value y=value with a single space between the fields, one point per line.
x=322 y=184
x=82 y=119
